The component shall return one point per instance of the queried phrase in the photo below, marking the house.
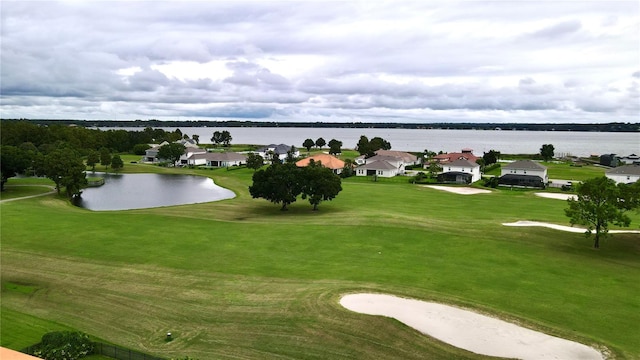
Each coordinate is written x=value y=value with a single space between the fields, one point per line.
x=466 y=154
x=407 y=158
x=225 y=159
x=151 y=154
x=625 y=174
x=524 y=173
x=460 y=172
x=380 y=168
x=190 y=151
x=630 y=159
x=281 y=150
x=328 y=161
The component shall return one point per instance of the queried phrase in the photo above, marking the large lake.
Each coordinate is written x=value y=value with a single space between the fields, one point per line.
x=140 y=191
x=505 y=141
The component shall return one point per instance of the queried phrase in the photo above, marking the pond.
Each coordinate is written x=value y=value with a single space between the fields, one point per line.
x=141 y=191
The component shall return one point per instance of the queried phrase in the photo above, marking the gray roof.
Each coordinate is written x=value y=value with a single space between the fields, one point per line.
x=462 y=163
x=625 y=170
x=525 y=165
x=379 y=165
x=220 y=156
x=384 y=158
x=278 y=149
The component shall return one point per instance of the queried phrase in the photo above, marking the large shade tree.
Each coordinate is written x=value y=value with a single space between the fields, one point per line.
x=65 y=168
x=599 y=203
x=319 y=184
x=279 y=183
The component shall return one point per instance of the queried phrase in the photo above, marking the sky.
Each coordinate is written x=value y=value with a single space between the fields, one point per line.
x=322 y=61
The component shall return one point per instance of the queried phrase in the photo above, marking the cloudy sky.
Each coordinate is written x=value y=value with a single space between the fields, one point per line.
x=329 y=61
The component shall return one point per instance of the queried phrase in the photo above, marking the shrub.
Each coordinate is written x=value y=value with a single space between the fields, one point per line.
x=64 y=345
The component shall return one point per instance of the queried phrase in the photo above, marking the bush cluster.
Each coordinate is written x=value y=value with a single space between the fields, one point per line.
x=64 y=345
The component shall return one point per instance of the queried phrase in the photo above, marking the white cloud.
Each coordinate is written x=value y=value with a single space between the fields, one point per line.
x=308 y=60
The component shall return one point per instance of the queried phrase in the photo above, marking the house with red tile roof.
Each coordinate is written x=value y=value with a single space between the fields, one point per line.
x=466 y=154
x=327 y=160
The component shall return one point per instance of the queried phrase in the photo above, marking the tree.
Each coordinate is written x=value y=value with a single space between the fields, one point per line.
x=434 y=169
x=291 y=155
x=226 y=138
x=171 y=152
x=601 y=202
x=105 y=157
x=216 y=139
x=93 y=159
x=254 y=161
x=12 y=162
x=364 y=147
x=141 y=149
x=196 y=138
x=65 y=168
x=279 y=183
x=378 y=143
x=335 y=147
x=491 y=157
x=116 y=163
x=308 y=144
x=320 y=143
x=319 y=184
x=546 y=151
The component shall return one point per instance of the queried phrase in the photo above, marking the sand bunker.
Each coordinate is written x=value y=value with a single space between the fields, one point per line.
x=556 y=196
x=469 y=330
x=564 y=228
x=459 y=190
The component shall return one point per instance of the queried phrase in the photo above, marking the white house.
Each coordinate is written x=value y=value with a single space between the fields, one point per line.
x=461 y=170
x=625 y=174
x=379 y=168
x=226 y=159
x=281 y=150
x=189 y=152
x=524 y=173
x=407 y=158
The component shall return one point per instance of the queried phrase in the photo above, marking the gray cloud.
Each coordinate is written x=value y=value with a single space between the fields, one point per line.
x=335 y=61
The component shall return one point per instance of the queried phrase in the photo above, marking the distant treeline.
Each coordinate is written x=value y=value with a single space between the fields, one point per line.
x=604 y=127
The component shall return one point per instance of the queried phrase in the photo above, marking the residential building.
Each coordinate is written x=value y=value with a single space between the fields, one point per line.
x=281 y=150
x=525 y=173
x=625 y=174
x=460 y=171
x=328 y=161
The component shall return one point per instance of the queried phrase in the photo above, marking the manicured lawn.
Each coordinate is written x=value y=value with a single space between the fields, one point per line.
x=239 y=278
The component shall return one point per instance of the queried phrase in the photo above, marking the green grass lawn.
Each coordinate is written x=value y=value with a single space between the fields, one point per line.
x=241 y=279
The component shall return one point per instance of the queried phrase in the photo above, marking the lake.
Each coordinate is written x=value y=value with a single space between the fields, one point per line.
x=505 y=141
x=140 y=191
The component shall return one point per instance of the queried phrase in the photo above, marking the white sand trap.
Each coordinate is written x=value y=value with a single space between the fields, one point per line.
x=556 y=196
x=459 y=190
x=469 y=330
x=563 y=227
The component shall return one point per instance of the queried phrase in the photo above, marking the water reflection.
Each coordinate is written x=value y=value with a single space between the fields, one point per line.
x=140 y=191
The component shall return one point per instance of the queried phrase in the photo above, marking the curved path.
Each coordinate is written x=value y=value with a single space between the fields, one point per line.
x=53 y=191
x=469 y=330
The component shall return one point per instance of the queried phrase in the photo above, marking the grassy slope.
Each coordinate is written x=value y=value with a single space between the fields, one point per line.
x=239 y=278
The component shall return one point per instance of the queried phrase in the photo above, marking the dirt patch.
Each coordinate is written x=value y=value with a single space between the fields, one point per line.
x=469 y=330
x=459 y=190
